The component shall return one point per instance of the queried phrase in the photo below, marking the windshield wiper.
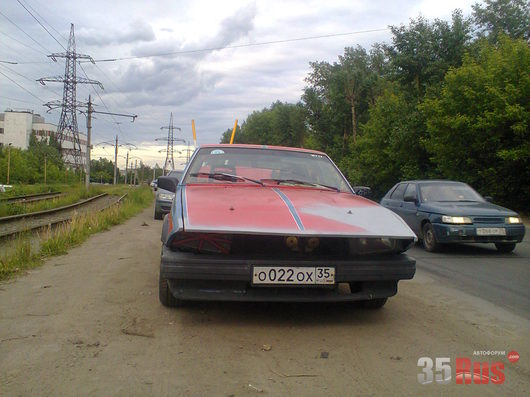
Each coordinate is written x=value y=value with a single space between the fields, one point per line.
x=225 y=177
x=298 y=182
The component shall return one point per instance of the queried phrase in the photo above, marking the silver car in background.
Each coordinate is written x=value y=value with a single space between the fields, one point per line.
x=164 y=198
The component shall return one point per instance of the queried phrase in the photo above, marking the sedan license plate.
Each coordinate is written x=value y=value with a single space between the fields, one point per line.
x=280 y=275
x=491 y=231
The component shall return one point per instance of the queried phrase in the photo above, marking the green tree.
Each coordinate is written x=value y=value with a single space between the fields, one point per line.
x=102 y=170
x=338 y=97
x=509 y=17
x=422 y=52
x=479 y=125
x=281 y=124
x=390 y=147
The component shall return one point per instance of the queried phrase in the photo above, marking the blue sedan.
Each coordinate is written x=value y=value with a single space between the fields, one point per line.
x=441 y=212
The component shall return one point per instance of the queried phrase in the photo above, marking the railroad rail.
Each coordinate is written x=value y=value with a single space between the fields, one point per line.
x=14 y=224
x=30 y=198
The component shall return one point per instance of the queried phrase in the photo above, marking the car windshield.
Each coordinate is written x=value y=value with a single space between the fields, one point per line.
x=264 y=167
x=448 y=192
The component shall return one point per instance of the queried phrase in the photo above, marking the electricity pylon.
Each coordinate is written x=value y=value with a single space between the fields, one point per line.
x=67 y=130
x=170 y=161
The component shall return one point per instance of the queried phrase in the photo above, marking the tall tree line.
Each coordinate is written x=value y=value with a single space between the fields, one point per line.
x=443 y=99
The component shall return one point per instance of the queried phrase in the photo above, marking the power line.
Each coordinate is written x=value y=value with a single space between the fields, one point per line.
x=101 y=99
x=240 y=45
x=18 y=100
x=44 y=27
x=29 y=79
x=24 y=44
x=13 y=81
x=23 y=31
x=41 y=17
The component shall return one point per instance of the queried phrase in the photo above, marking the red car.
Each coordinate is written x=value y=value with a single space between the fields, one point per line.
x=264 y=223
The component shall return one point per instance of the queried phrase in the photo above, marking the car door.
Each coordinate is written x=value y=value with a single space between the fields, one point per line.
x=395 y=200
x=409 y=207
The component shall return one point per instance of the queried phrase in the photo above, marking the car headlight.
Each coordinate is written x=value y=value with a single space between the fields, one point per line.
x=166 y=196
x=459 y=220
x=513 y=219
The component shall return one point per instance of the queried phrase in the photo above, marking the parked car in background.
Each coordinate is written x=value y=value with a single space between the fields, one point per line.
x=164 y=196
x=263 y=223
x=441 y=212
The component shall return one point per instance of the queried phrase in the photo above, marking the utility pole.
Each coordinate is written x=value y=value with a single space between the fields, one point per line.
x=116 y=144
x=88 y=144
x=67 y=130
x=126 y=165
x=135 y=171
x=115 y=158
x=8 y=161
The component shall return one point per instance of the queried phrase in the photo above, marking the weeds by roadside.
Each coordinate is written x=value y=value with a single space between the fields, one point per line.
x=58 y=241
x=71 y=195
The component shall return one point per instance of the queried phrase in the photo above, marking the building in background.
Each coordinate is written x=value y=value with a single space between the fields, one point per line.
x=16 y=127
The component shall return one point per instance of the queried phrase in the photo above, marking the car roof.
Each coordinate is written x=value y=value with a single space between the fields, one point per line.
x=245 y=146
x=433 y=181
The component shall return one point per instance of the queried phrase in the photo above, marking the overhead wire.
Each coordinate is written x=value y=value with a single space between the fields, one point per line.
x=271 y=42
x=24 y=44
x=44 y=27
x=23 y=31
x=13 y=81
x=30 y=80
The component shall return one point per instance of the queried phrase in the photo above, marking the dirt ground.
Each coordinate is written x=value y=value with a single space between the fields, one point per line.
x=90 y=323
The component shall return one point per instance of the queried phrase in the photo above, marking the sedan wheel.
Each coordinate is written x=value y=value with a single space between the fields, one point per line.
x=505 y=247
x=375 y=303
x=429 y=238
x=165 y=295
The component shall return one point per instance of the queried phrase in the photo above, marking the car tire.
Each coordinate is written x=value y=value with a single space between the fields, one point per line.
x=505 y=248
x=165 y=295
x=429 y=238
x=158 y=215
x=374 y=304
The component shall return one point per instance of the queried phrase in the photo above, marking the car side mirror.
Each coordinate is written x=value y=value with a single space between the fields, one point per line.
x=410 y=198
x=363 y=191
x=489 y=199
x=168 y=183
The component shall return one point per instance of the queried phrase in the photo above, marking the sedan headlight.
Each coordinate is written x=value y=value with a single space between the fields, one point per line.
x=166 y=196
x=513 y=219
x=458 y=220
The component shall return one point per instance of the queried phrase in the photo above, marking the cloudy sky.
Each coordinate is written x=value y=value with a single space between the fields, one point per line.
x=201 y=60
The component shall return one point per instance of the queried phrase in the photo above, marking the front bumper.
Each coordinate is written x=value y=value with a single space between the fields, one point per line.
x=162 y=206
x=202 y=277
x=468 y=233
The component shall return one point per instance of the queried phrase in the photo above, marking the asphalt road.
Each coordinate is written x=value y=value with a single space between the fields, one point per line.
x=480 y=270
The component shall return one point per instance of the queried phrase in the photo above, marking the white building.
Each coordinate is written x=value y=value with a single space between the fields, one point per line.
x=16 y=127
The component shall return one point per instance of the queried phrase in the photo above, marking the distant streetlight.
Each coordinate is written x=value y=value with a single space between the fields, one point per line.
x=8 y=161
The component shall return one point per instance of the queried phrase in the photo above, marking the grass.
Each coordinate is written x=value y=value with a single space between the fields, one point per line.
x=75 y=232
x=71 y=195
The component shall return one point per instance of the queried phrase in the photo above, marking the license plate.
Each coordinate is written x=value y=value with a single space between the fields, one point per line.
x=491 y=231
x=293 y=275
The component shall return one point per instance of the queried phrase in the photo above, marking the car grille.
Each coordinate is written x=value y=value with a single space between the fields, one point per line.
x=488 y=220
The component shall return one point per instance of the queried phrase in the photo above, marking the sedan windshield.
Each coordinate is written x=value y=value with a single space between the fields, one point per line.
x=265 y=167
x=448 y=192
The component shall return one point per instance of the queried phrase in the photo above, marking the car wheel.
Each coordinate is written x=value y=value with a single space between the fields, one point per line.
x=505 y=247
x=377 y=303
x=165 y=295
x=429 y=238
x=158 y=215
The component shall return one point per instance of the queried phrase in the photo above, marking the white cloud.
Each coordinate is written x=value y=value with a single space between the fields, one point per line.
x=214 y=87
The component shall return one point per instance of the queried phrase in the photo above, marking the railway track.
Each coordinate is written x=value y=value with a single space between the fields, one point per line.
x=30 y=198
x=10 y=225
